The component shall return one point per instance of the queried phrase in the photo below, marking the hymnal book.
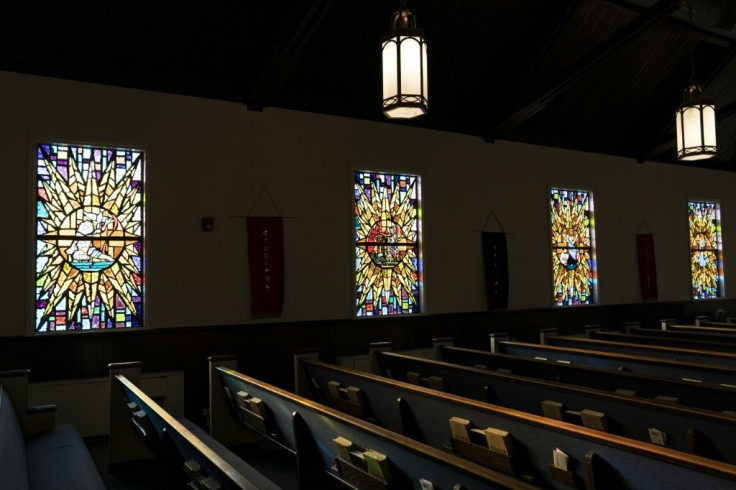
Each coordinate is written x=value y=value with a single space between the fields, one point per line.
x=552 y=409
x=377 y=464
x=658 y=437
x=342 y=392
x=344 y=446
x=436 y=383
x=242 y=398
x=354 y=394
x=334 y=388
x=693 y=380
x=559 y=459
x=667 y=399
x=192 y=468
x=424 y=484
x=594 y=420
x=478 y=437
x=208 y=483
x=256 y=406
x=412 y=377
x=562 y=361
x=540 y=358
x=460 y=428
x=499 y=441
x=132 y=406
x=622 y=391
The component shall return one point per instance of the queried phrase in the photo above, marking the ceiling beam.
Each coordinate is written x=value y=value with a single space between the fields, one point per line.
x=559 y=26
x=286 y=60
x=547 y=93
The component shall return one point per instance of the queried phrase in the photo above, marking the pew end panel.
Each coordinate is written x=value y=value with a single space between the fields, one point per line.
x=33 y=420
x=125 y=444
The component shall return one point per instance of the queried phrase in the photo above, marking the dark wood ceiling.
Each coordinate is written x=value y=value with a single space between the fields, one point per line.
x=594 y=75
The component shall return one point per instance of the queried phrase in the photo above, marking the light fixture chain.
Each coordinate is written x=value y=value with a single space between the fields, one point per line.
x=691 y=39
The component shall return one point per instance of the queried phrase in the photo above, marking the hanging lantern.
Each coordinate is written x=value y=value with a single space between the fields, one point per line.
x=695 y=118
x=404 y=53
x=696 y=126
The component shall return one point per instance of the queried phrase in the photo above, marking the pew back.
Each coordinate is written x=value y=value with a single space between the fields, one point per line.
x=689 y=335
x=308 y=428
x=681 y=369
x=673 y=353
x=707 y=396
x=693 y=430
x=424 y=414
x=647 y=339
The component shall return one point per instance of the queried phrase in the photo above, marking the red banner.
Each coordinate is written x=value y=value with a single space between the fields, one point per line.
x=647 y=266
x=266 y=263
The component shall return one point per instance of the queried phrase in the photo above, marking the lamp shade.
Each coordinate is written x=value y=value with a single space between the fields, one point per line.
x=696 y=127
x=404 y=57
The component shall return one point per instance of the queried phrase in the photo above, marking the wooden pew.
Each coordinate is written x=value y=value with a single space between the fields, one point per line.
x=307 y=429
x=423 y=414
x=686 y=370
x=645 y=339
x=681 y=334
x=690 y=429
x=704 y=395
x=702 y=329
x=712 y=323
x=140 y=428
x=673 y=353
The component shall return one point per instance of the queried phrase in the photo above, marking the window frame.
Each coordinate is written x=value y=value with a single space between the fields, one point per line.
x=595 y=296
x=33 y=142
x=719 y=238
x=421 y=279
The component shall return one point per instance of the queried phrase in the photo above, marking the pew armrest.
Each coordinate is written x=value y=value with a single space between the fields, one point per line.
x=38 y=419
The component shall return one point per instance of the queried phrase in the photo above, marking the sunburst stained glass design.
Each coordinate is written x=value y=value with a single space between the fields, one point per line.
x=573 y=247
x=89 y=238
x=388 y=262
x=706 y=260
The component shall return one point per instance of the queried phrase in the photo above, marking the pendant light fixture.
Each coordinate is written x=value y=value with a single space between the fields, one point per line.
x=404 y=56
x=695 y=118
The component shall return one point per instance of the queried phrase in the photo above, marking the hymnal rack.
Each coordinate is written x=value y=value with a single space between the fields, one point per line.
x=491 y=447
x=364 y=469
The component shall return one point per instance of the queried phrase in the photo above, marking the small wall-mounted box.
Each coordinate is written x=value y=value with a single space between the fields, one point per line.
x=208 y=223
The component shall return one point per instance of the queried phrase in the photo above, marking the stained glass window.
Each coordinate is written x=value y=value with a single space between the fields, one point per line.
x=388 y=261
x=89 y=238
x=574 y=272
x=706 y=256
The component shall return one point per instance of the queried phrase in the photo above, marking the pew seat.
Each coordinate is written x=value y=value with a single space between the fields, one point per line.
x=40 y=455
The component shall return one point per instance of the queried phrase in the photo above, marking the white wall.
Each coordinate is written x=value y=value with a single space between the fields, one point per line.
x=211 y=158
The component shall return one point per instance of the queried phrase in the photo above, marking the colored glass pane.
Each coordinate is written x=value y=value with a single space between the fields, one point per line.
x=706 y=255
x=388 y=263
x=575 y=279
x=89 y=238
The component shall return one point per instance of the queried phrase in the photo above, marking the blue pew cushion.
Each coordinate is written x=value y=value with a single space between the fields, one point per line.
x=13 y=469
x=59 y=459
